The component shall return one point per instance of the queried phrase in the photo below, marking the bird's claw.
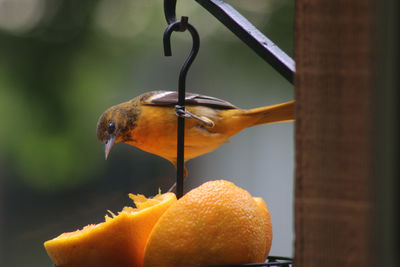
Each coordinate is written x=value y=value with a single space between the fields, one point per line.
x=182 y=112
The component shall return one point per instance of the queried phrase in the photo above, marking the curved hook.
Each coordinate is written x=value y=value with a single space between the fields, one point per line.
x=169 y=11
x=182 y=26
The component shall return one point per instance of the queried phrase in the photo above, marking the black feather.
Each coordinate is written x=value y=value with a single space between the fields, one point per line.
x=170 y=98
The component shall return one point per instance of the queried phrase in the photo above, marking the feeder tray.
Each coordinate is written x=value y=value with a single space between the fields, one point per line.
x=273 y=261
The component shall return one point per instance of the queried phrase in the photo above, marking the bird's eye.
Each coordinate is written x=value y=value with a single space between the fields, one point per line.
x=111 y=127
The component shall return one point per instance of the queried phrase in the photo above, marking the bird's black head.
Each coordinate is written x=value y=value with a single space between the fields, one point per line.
x=107 y=132
x=117 y=125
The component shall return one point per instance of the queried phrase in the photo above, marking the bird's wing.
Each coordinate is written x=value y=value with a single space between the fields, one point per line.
x=170 y=98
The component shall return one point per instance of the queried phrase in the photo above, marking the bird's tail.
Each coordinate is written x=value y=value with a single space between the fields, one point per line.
x=275 y=113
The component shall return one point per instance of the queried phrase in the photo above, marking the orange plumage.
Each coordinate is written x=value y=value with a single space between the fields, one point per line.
x=149 y=123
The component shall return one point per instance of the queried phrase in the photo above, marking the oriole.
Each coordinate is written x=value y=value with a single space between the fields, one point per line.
x=149 y=122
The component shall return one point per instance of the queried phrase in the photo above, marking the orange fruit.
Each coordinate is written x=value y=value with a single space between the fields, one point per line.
x=119 y=241
x=216 y=223
x=268 y=224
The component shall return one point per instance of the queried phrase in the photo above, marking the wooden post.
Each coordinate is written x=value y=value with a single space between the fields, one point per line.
x=333 y=201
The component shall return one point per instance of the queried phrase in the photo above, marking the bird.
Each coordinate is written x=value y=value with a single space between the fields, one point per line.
x=149 y=122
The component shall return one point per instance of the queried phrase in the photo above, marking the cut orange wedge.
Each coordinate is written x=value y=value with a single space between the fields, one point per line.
x=119 y=241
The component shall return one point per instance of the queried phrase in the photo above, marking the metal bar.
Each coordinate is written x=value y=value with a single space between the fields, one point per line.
x=169 y=11
x=181 y=103
x=181 y=26
x=250 y=35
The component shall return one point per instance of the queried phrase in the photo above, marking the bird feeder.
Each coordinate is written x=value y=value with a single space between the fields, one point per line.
x=250 y=35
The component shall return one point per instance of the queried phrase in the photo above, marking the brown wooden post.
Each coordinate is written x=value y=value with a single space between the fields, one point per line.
x=333 y=202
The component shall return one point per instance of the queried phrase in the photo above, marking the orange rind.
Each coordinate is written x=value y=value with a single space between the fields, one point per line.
x=217 y=223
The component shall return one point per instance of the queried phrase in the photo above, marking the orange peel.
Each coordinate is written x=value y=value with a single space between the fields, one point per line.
x=216 y=223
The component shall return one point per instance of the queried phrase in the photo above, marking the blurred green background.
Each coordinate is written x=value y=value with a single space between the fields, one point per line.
x=63 y=62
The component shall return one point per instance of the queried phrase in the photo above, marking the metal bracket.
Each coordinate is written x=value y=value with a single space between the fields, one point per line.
x=251 y=36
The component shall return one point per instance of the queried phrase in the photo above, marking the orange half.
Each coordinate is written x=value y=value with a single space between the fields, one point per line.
x=216 y=223
x=119 y=241
x=268 y=224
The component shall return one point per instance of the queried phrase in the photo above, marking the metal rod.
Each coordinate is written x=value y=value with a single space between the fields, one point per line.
x=169 y=11
x=250 y=35
x=181 y=25
x=181 y=103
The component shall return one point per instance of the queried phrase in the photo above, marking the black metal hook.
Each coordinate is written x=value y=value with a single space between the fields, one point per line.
x=181 y=26
x=169 y=11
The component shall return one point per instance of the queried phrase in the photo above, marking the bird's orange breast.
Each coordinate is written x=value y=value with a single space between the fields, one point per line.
x=156 y=130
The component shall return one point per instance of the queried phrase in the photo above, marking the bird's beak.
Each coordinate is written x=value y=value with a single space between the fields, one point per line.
x=108 y=144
